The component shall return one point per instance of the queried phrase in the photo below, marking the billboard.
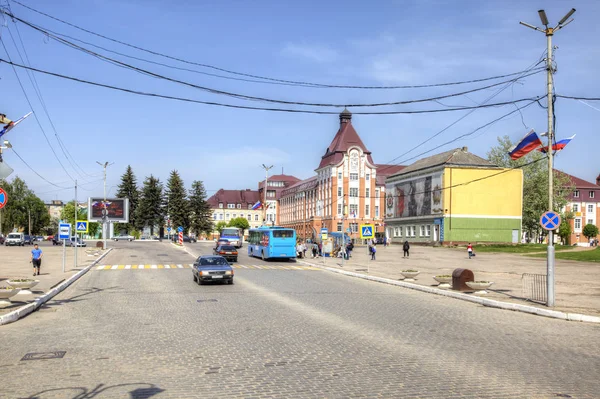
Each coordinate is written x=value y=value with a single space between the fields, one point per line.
x=117 y=209
x=417 y=197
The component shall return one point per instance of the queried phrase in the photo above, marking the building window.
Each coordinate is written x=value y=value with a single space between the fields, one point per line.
x=367 y=177
x=376 y=193
x=399 y=234
x=220 y=205
x=339 y=210
x=256 y=218
x=249 y=217
x=367 y=193
x=241 y=215
x=339 y=175
x=421 y=231
x=220 y=216
x=226 y=216
x=590 y=208
x=339 y=227
x=354 y=227
x=354 y=210
x=577 y=223
x=354 y=176
x=339 y=191
x=239 y=206
x=590 y=221
x=576 y=194
x=366 y=210
x=575 y=207
x=214 y=216
x=376 y=211
x=353 y=192
x=428 y=231
x=592 y=194
x=407 y=231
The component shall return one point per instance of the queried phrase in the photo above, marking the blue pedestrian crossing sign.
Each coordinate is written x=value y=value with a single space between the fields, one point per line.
x=550 y=220
x=169 y=229
x=367 y=231
x=180 y=229
x=81 y=226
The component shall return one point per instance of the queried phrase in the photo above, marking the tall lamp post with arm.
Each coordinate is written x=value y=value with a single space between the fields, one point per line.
x=266 y=168
x=549 y=32
x=104 y=212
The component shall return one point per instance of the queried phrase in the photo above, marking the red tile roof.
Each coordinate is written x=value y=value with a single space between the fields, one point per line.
x=345 y=138
x=383 y=171
x=306 y=184
x=577 y=182
x=244 y=197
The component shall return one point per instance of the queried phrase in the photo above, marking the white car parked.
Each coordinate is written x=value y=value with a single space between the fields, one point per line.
x=124 y=237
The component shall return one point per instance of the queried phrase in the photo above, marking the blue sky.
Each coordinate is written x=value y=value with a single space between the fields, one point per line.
x=341 y=42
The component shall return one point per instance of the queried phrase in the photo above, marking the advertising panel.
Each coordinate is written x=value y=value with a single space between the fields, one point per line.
x=117 y=209
x=421 y=196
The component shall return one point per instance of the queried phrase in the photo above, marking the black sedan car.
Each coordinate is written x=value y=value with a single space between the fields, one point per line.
x=212 y=268
x=229 y=252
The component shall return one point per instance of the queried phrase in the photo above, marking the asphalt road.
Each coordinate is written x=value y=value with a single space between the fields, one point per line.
x=282 y=331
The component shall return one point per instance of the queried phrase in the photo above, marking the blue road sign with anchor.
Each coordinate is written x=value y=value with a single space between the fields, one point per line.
x=550 y=220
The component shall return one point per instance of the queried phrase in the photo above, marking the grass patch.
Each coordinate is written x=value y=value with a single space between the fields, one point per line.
x=517 y=248
x=592 y=255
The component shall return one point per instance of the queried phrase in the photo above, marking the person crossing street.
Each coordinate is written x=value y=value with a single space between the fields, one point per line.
x=36 y=259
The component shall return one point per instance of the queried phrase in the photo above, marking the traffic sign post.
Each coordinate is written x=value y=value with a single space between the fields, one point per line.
x=550 y=221
x=64 y=233
x=180 y=231
x=324 y=233
x=367 y=231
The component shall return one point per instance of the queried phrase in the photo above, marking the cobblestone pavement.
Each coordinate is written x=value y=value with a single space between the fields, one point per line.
x=283 y=334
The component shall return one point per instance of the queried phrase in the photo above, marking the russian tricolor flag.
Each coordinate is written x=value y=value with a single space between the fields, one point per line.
x=256 y=206
x=11 y=125
x=530 y=142
x=559 y=145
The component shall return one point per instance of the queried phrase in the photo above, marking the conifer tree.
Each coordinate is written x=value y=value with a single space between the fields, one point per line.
x=176 y=202
x=200 y=210
x=128 y=189
x=149 y=211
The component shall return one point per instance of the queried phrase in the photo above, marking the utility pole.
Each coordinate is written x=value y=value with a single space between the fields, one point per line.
x=104 y=212
x=29 y=217
x=549 y=32
x=266 y=168
x=343 y=249
x=75 y=226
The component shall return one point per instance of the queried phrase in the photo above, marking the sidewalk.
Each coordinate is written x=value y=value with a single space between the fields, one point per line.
x=577 y=284
x=14 y=263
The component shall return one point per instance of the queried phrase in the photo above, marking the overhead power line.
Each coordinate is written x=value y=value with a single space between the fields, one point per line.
x=263 y=79
x=148 y=94
x=34 y=171
x=264 y=99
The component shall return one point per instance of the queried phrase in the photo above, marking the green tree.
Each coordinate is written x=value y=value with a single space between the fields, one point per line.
x=128 y=189
x=200 y=210
x=590 y=231
x=564 y=231
x=241 y=223
x=23 y=207
x=535 y=183
x=149 y=211
x=177 y=203
x=220 y=226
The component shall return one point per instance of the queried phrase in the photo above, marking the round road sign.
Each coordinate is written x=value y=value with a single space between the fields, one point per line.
x=550 y=220
x=3 y=198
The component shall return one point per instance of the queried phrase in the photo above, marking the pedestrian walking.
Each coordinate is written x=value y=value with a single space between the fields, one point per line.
x=406 y=249
x=470 y=250
x=36 y=259
x=315 y=250
x=304 y=250
x=373 y=251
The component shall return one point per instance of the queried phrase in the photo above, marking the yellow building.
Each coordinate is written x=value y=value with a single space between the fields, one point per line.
x=454 y=196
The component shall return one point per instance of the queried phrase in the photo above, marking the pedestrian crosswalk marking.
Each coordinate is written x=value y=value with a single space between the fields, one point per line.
x=189 y=266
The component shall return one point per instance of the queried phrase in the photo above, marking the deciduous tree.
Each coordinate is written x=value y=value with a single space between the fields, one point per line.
x=240 y=223
x=590 y=231
x=535 y=183
x=220 y=226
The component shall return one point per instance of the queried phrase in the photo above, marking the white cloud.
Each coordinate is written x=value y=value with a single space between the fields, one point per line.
x=312 y=52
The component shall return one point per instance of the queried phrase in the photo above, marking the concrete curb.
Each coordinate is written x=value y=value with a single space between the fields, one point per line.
x=42 y=299
x=469 y=298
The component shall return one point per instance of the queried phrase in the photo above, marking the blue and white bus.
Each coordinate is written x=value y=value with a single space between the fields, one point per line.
x=233 y=235
x=272 y=242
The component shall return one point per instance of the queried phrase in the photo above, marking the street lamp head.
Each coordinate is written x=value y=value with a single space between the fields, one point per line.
x=543 y=17
x=564 y=19
x=7 y=144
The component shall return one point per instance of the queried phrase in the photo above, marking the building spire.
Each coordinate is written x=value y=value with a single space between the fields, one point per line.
x=345 y=117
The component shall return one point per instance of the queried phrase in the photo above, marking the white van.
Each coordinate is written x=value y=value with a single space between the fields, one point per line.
x=15 y=239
